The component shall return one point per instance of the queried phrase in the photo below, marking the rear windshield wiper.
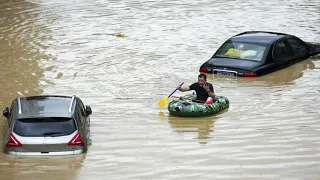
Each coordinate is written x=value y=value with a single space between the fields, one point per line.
x=53 y=134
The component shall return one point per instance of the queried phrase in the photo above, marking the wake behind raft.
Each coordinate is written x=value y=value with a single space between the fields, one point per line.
x=183 y=108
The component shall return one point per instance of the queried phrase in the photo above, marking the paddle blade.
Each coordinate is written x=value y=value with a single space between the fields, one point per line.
x=163 y=102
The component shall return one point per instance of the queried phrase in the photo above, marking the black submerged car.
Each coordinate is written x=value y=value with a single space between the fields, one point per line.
x=256 y=53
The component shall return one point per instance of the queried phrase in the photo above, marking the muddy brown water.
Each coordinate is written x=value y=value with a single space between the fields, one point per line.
x=270 y=131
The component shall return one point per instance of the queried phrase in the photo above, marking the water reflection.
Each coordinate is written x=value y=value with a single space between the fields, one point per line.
x=200 y=128
x=282 y=77
x=37 y=167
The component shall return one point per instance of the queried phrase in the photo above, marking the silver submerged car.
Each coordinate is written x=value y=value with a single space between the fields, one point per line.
x=46 y=125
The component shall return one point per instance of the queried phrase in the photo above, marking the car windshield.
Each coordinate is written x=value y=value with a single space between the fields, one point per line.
x=241 y=50
x=40 y=127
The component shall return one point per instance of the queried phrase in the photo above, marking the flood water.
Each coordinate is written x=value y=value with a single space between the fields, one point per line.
x=270 y=131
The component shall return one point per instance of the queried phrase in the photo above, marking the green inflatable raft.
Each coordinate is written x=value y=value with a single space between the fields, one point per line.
x=184 y=107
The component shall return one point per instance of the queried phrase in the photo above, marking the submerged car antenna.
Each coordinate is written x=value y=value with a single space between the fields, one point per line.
x=71 y=103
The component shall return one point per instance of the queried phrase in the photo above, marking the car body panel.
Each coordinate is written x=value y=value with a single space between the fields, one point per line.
x=44 y=145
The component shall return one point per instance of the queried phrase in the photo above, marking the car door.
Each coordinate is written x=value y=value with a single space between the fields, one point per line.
x=282 y=54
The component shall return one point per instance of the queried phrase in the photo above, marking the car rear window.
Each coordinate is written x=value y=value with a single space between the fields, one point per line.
x=241 y=50
x=40 y=127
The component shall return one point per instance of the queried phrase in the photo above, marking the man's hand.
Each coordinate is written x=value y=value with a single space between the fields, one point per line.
x=206 y=87
x=183 y=89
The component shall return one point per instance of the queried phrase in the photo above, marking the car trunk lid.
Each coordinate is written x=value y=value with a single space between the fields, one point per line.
x=45 y=134
x=232 y=64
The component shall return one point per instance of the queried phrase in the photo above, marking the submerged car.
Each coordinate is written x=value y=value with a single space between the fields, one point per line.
x=46 y=125
x=256 y=53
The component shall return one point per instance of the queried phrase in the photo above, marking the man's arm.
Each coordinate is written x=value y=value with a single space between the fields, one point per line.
x=211 y=92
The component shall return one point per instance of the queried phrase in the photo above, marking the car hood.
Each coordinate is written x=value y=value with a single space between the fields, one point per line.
x=232 y=63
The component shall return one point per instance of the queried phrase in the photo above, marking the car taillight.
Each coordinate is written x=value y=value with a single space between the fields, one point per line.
x=76 y=141
x=203 y=69
x=250 y=74
x=13 y=142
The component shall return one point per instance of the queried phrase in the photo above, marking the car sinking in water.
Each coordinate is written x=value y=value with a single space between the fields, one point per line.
x=46 y=125
x=257 y=53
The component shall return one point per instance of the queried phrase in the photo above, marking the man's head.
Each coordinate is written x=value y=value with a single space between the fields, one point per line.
x=202 y=79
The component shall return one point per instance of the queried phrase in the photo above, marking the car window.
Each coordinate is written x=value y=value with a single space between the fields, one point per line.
x=281 y=51
x=40 y=127
x=241 y=50
x=297 y=46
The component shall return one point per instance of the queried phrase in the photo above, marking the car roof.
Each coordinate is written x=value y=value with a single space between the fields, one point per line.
x=259 y=37
x=45 y=106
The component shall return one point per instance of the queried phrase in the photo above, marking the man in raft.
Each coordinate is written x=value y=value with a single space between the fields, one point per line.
x=204 y=90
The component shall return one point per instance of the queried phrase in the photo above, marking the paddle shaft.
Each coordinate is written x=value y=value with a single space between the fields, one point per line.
x=175 y=90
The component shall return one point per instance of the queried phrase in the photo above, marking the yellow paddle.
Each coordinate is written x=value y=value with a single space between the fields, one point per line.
x=164 y=100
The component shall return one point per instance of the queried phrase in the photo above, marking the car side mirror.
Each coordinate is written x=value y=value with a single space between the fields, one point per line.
x=6 y=112
x=88 y=110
